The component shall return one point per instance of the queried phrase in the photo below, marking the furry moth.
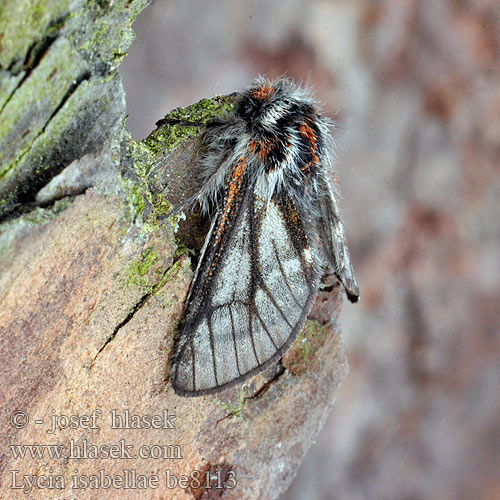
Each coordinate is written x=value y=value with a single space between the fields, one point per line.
x=275 y=232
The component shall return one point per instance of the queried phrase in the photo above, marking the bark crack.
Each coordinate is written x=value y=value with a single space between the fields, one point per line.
x=118 y=327
x=280 y=370
x=84 y=76
x=28 y=208
x=76 y=83
x=12 y=210
x=132 y=313
x=34 y=55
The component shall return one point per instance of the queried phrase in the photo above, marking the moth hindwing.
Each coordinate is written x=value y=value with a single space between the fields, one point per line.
x=275 y=231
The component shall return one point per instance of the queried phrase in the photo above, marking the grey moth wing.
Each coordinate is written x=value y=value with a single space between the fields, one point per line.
x=334 y=245
x=254 y=287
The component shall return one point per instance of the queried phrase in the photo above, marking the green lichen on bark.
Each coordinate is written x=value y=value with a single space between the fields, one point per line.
x=149 y=272
x=19 y=129
x=181 y=264
x=304 y=355
x=237 y=408
x=138 y=272
x=60 y=93
x=22 y=24
x=167 y=137
x=142 y=191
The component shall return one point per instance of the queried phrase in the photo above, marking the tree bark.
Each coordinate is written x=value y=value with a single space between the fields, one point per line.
x=92 y=286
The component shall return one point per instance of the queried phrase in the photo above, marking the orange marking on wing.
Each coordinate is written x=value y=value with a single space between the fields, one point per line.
x=294 y=216
x=308 y=132
x=233 y=190
x=262 y=93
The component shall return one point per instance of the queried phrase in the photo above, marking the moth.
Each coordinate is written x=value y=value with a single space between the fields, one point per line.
x=275 y=232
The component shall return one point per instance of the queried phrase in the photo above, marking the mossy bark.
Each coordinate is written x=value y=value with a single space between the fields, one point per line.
x=93 y=281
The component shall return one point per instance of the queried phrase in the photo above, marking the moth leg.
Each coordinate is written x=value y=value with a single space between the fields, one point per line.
x=173 y=121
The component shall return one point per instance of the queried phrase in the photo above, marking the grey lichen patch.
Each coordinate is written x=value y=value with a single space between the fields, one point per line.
x=88 y=171
x=21 y=124
x=304 y=353
x=12 y=228
x=8 y=84
x=81 y=126
x=22 y=31
x=106 y=38
x=43 y=215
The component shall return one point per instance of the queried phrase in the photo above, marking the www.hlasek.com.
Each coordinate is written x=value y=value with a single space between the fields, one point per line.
x=210 y=477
